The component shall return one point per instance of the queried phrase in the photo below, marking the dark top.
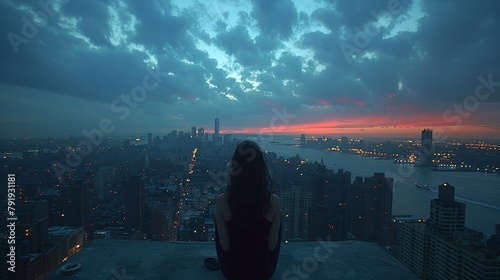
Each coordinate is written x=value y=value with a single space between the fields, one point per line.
x=248 y=256
x=249 y=239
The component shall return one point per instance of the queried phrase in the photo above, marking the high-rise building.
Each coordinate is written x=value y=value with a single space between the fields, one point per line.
x=295 y=204
x=150 y=139
x=426 y=148
x=302 y=139
x=321 y=224
x=371 y=208
x=447 y=216
x=78 y=196
x=216 y=138
x=158 y=220
x=105 y=181
x=201 y=134
x=135 y=204
x=216 y=129
x=443 y=248
x=339 y=201
x=193 y=132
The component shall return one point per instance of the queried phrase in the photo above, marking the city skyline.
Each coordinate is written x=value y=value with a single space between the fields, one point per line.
x=387 y=68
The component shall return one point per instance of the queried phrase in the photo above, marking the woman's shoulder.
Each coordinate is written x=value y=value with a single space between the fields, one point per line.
x=275 y=203
x=221 y=197
x=275 y=200
x=221 y=201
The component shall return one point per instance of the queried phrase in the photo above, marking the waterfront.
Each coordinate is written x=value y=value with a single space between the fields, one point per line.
x=479 y=191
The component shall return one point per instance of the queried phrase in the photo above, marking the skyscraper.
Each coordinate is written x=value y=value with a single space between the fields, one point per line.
x=447 y=216
x=427 y=148
x=216 y=137
x=78 y=196
x=193 y=132
x=150 y=139
x=443 y=248
x=135 y=204
x=216 y=131
x=371 y=207
x=295 y=204
x=339 y=201
x=105 y=181
x=201 y=134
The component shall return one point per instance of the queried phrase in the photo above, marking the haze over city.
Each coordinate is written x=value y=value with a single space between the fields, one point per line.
x=357 y=68
x=311 y=139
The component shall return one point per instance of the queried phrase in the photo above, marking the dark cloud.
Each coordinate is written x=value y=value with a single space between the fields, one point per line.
x=357 y=13
x=275 y=18
x=424 y=70
x=93 y=19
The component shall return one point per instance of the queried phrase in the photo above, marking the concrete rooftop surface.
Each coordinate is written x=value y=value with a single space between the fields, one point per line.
x=129 y=260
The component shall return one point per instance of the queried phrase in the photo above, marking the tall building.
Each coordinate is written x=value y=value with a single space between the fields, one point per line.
x=78 y=196
x=216 y=138
x=159 y=221
x=426 y=148
x=193 y=132
x=302 y=139
x=150 y=139
x=35 y=254
x=321 y=224
x=201 y=134
x=105 y=181
x=216 y=129
x=443 y=248
x=447 y=216
x=135 y=204
x=295 y=204
x=371 y=208
x=339 y=201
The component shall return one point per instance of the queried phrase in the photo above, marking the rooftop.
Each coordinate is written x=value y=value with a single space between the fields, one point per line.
x=125 y=259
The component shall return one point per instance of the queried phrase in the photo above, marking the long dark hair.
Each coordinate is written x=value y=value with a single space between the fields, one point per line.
x=249 y=194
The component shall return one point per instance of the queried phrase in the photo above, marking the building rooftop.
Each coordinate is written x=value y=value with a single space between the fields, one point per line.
x=125 y=259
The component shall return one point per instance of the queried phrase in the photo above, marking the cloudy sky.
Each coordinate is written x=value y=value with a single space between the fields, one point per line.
x=320 y=67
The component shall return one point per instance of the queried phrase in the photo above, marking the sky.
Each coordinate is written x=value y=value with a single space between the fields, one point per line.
x=320 y=67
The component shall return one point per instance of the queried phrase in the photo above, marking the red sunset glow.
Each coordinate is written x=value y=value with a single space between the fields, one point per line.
x=371 y=125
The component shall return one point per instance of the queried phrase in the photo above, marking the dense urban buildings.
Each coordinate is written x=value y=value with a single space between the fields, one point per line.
x=443 y=248
x=163 y=188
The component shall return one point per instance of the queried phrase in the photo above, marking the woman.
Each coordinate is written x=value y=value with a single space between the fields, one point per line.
x=248 y=218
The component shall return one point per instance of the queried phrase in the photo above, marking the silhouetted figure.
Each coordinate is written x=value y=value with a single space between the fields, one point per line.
x=248 y=218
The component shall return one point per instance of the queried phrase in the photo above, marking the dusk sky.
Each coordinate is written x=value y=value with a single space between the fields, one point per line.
x=320 y=67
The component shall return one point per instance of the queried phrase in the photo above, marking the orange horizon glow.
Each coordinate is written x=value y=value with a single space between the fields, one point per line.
x=442 y=133
x=375 y=126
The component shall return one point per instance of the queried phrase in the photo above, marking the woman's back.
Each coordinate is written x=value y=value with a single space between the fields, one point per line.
x=248 y=255
x=249 y=237
x=248 y=218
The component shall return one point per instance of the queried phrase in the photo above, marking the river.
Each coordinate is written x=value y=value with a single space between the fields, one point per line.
x=479 y=191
